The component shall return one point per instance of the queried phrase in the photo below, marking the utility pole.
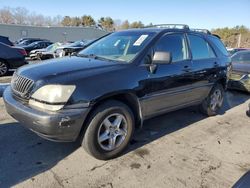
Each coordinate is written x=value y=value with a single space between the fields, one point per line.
x=239 y=41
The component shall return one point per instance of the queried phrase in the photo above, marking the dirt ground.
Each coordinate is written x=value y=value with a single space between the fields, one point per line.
x=179 y=149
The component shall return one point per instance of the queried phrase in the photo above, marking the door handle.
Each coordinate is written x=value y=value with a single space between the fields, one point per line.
x=186 y=68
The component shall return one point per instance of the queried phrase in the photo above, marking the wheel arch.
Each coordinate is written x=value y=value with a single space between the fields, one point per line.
x=128 y=98
x=5 y=61
x=223 y=82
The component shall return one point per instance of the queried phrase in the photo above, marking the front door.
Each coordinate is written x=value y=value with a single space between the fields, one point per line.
x=169 y=86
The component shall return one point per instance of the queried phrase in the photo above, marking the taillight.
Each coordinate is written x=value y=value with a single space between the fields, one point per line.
x=23 y=52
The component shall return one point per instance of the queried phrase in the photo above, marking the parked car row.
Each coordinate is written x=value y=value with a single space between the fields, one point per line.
x=13 y=55
x=68 y=49
x=45 y=53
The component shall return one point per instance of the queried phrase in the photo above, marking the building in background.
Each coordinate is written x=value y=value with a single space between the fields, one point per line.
x=15 y=32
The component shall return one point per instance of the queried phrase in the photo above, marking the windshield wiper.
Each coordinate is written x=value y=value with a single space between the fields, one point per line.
x=88 y=55
x=93 y=56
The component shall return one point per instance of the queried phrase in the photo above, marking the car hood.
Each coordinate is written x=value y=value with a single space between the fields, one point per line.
x=65 y=69
x=241 y=67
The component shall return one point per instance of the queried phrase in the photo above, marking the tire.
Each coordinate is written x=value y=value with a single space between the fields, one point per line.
x=4 y=68
x=212 y=104
x=105 y=141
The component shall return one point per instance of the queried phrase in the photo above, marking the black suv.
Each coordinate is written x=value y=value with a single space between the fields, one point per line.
x=100 y=95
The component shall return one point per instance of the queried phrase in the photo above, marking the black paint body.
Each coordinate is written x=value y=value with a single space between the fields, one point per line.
x=148 y=93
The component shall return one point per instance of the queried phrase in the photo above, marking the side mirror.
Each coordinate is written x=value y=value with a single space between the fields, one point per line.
x=162 y=58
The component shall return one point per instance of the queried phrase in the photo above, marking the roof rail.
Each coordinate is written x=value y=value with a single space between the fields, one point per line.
x=170 y=26
x=201 y=30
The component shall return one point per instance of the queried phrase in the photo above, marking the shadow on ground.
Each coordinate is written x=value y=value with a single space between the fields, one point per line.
x=163 y=125
x=24 y=154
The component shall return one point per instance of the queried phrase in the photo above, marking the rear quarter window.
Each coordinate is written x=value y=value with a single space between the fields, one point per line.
x=218 y=43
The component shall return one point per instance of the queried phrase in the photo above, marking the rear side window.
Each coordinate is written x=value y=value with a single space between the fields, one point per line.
x=217 y=42
x=175 y=44
x=200 y=48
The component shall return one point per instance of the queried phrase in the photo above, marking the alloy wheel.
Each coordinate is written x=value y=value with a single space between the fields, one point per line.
x=112 y=132
x=216 y=100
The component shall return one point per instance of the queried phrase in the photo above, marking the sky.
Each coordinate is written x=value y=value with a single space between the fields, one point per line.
x=196 y=13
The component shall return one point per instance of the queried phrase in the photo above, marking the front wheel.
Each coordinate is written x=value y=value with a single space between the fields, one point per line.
x=109 y=130
x=212 y=104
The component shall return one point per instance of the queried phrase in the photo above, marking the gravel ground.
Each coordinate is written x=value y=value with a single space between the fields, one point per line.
x=179 y=149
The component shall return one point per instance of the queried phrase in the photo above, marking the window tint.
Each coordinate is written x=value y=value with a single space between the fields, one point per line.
x=219 y=45
x=200 y=48
x=120 y=46
x=174 y=43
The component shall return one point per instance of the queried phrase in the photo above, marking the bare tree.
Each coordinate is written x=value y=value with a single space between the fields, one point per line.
x=57 y=20
x=20 y=15
x=6 y=16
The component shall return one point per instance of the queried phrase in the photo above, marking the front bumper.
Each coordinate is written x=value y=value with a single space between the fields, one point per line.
x=64 y=125
x=243 y=85
x=33 y=55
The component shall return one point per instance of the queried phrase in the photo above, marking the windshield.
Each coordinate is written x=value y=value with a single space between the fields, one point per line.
x=121 y=46
x=33 y=44
x=52 y=47
x=49 y=47
x=25 y=42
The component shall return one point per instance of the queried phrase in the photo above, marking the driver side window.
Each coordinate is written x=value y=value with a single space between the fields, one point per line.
x=175 y=44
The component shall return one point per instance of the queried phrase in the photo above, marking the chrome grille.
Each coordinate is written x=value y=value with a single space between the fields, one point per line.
x=21 y=85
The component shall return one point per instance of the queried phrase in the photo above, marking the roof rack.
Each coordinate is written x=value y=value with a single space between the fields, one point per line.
x=179 y=26
x=169 y=26
x=201 y=30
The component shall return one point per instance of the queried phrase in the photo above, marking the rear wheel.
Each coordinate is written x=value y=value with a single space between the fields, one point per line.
x=212 y=104
x=3 y=68
x=109 y=130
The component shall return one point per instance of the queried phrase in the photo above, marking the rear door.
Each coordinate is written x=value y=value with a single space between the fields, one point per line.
x=205 y=66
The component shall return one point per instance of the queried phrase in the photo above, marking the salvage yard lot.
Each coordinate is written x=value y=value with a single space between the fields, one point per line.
x=179 y=149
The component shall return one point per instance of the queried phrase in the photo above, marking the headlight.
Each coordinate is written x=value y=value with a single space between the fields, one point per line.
x=52 y=97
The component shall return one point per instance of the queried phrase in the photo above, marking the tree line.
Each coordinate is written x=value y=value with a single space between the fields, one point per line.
x=22 y=16
x=231 y=36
